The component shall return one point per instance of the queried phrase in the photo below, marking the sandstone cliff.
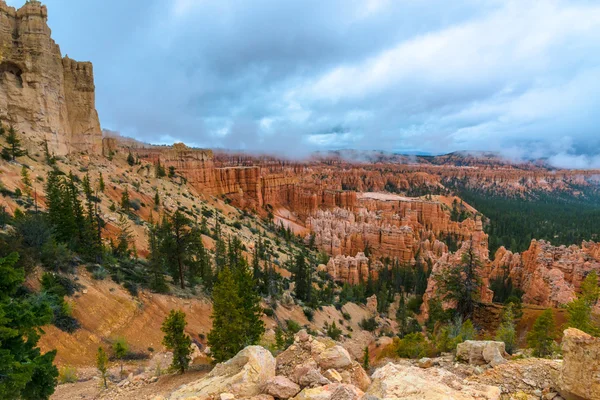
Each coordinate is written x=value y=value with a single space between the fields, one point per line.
x=44 y=96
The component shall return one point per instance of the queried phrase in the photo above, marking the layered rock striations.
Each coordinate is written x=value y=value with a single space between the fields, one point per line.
x=44 y=96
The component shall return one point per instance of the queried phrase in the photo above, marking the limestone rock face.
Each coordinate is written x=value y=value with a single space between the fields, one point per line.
x=243 y=375
x=580 y=373
x=481 y=352
x=45 y=96
x=411 y=383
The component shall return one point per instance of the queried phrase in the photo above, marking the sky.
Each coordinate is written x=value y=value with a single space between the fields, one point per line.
x=518 y=77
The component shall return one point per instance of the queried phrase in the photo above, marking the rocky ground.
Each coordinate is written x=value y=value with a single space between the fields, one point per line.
x=320 y=369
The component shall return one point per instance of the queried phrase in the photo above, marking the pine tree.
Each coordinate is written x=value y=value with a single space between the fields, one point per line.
x=121 y=249
x=462 y=284
x=101 y=185
x=26 y=180
x=102 y=365
x=156 y=200
x=159 y=170
x=402 y=317
x=220 y=248
x=25 y=373
x=14 y=144
x=580 y=309
x=50 y=159
x=506 y=331
x=156 y=266
x=130 y=159
x=171 y=171
x=125 y=202
x=2 y=130
x=366 y=357
x=226 y=338
x=541 y=336
x=302 y=278
x=177 y=341
x=120 y=349
x=252 y=311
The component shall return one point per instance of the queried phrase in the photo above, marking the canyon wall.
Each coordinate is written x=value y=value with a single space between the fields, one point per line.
x=44 y=96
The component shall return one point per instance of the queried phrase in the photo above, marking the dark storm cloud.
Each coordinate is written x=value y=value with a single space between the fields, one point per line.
x=521 y=77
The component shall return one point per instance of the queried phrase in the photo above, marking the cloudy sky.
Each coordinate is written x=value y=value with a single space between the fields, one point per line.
x=521 y=77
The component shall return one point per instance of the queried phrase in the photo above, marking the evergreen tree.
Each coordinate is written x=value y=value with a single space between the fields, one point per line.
x=156 y=200
x=50 y=159
x=226 y=338
x=130 y=159
x=402 y=317
x=252 y=311
x=120 y=350
x=580 y=310
x=366 y=359
x=102 y=365
x=461 y=284
x=25 y=373
x=220 y=248
x=541 y=336
x=383 y=298
x=302 y=278
x=177 y=341
x=14 y=144
x=159 y=170
x=125 y=202
x=101 y=185
x=121 y=249
x=2 y=130
x=171 y=171
x=26 y=180
x=507 y=331
x=155 y=264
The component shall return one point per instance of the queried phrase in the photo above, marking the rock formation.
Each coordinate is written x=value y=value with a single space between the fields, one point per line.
x=44 y=96
x=549 y=276
x=580 y=373
x=390 y=225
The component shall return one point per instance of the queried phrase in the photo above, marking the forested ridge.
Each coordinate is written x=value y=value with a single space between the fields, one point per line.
x=566 y=216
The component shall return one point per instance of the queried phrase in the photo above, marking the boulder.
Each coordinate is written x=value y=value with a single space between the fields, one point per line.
x=358 y=377
x=334 y=391
x=412 y=383
x=480 y=352
x=311 y=378
x=243 y=375
x=335 y=357
x=579 y=376
x=281 y=387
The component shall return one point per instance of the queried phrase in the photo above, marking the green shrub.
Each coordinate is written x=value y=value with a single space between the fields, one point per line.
x=67 y=374
x=369 y=324
x=309 y=313
x=333 y=331
x=413 y=345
